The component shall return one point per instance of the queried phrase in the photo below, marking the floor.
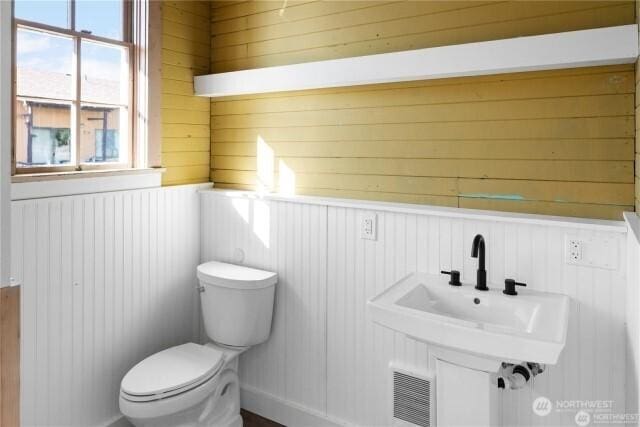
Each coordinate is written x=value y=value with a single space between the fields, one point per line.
x=252 y=420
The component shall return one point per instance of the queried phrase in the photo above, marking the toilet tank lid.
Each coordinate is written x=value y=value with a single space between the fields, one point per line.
x=235 y=276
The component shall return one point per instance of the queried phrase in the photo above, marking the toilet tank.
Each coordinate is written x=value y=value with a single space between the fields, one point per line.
x=237 y=303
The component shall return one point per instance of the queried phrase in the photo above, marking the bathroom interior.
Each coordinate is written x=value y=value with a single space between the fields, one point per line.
x=313 y=213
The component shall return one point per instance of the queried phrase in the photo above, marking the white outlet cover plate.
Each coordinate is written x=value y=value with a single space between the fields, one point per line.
x=595 y=251
x=574 y=248
x=369 y=226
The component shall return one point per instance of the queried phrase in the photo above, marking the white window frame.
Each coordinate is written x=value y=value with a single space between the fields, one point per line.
x=78 y=38
x=145 y=170
x=6 y=34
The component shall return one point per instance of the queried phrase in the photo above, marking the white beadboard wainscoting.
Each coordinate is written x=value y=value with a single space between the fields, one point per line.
x=326 y=363
x=107 y=280
x=633 y=312
x=290 y=239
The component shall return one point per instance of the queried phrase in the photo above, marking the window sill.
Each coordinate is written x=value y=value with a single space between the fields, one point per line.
x=57 y=184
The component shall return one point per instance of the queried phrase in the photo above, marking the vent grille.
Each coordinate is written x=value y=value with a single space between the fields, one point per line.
x=412 y=399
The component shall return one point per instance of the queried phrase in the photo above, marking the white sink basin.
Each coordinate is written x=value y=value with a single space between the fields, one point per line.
x=531 y=326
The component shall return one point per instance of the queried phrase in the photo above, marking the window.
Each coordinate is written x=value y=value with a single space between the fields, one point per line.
x=73 y=85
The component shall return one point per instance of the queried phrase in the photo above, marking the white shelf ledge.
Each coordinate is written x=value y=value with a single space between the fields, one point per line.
x=586 y=48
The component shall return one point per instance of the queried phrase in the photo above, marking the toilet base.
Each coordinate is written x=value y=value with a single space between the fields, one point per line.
x=235 y=421
x=213 y=404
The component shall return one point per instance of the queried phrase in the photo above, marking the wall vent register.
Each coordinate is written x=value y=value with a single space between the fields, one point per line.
x=412 y=405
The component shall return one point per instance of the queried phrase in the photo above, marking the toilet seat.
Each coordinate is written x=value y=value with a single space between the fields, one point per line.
x=171 y=372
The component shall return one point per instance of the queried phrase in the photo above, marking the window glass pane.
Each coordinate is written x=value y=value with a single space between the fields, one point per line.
x=43 y=133
x=105 y=73
x=43 y=65
x=100 y=18
x=103 y=134
x=50 y=12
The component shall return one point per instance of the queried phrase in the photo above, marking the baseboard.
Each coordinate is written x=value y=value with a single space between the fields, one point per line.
x=285 y=412
x=272 y=407
x=118 y=421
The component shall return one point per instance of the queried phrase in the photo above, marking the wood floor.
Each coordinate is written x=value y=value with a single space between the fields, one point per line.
x=252 y=420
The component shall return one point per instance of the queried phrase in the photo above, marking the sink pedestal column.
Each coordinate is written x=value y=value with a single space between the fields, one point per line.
x=465 y=397
x=466 y=392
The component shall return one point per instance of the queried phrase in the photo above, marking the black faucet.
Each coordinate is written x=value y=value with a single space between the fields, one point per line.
x=510 y=287
x=477 y=251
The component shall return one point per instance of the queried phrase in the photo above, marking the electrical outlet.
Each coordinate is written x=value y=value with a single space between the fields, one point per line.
x=574 y=250
x=369 y=226
x=591 y=251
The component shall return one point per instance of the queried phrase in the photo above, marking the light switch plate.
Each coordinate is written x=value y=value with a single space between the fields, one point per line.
x=369 y=226
x=591 y=251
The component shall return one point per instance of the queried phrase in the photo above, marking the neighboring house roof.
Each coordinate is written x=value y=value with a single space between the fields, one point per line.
x=46 y=84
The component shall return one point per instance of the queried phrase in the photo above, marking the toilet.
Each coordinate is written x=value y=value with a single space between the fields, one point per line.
x=193 y=385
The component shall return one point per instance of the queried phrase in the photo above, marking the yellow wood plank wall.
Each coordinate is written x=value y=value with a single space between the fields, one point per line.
x=554 y=142
x=637 y=142
x=186 y=52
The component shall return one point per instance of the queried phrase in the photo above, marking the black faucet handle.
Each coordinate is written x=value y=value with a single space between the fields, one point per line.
x=510 y=286
x=455 y=277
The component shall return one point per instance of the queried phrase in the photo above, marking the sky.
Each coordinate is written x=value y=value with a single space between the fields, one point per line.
x=101 y=17
x=55 y=54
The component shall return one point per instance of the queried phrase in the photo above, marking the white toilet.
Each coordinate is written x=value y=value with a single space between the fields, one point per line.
x=197 y=385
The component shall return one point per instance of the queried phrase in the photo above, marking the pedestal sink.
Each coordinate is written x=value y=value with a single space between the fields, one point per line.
x=472 y=334
x=531 y=326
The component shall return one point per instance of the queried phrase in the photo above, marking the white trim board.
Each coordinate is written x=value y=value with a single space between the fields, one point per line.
x=585 y=48
x=633 y=223
x=133 y=179
x=442 y=211
x=94 y=185
x=5 y=141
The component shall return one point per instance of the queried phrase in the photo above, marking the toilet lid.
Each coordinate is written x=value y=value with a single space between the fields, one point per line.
x=175 y=368
x=235 y=276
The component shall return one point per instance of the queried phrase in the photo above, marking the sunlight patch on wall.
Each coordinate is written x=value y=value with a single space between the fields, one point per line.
x=287 y=179
x=242 y=207
x=261 y=221
x=257 y=214
x=265 y=159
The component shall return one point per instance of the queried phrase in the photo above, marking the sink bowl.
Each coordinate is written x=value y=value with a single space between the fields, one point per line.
x=531 y=326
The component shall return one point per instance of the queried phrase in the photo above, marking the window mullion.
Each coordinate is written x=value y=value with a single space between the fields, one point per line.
x=78 y=106
x=77 y=70
x=72 y=14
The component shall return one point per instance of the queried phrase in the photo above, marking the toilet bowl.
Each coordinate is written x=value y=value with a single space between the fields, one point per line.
x=193 y=385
